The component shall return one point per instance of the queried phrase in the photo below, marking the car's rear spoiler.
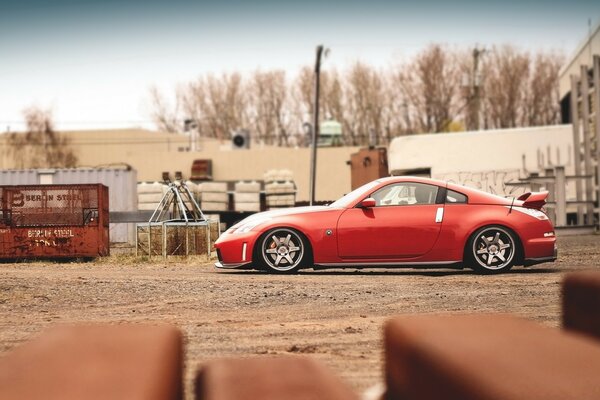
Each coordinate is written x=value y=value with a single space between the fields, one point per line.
x=535 y=200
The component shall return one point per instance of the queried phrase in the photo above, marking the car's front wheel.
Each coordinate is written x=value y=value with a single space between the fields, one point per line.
x=492 y=249
x=282 y=250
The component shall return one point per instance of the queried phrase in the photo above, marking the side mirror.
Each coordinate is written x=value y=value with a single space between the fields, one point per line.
x=368 y=202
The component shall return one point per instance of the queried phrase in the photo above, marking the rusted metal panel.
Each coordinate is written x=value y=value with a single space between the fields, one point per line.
x=367 y=165
x=54 y=221
x=121 y=182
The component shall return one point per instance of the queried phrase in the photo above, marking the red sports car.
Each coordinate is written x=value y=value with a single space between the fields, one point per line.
x=396 y=221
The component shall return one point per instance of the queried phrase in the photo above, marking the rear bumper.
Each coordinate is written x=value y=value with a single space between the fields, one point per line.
x=538 y=260
x=540 y=247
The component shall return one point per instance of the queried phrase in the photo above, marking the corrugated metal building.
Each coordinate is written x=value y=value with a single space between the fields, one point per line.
x=121 y=182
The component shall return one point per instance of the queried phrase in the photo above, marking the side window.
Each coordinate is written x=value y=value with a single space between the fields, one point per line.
x=453 y=197
x=407 y=193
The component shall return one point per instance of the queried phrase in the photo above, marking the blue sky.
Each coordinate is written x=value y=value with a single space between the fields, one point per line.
x=92 y=62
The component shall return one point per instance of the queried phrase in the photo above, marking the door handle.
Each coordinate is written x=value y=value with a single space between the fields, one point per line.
x=439 y=215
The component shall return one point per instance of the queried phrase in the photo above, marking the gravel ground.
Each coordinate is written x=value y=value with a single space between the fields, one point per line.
x=333 y=315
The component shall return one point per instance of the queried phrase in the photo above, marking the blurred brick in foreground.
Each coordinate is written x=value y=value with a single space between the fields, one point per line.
x=487 y=357
x=128 y=362
x=581 y=303
x=269 y=378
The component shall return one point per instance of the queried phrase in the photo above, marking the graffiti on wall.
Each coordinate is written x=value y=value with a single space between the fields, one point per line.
x=496 y=182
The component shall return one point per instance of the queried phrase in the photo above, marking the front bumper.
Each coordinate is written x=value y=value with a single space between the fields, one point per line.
x=235 y=250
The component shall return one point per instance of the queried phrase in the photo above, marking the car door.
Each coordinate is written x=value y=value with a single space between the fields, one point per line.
x=405 y=223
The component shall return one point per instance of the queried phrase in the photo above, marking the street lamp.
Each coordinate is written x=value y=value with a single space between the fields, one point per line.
x=315 y=126
x=310 y=134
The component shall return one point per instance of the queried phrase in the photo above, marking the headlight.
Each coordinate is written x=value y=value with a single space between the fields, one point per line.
x=533 y=212
x=244 y=227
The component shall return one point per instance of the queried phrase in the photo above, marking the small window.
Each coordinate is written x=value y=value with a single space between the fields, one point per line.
x=406 y=193
x=453 y=197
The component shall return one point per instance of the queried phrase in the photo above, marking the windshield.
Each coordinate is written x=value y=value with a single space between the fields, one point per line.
x=354 y=195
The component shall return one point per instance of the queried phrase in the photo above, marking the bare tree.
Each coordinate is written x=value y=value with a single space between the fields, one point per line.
x=425 y=94
x=332 y=95
x=430 y=86
x=332 y=101
x=365 y=103
x=394 y=115
x=268 y=108
x=506 y=72
x=542 y=102
x=218 y=104
x=303 y=93
x=40 y=146
x=165 y=116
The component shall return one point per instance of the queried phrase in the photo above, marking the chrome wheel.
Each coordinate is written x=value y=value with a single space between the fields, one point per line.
x=493 y=249
x=282 y=250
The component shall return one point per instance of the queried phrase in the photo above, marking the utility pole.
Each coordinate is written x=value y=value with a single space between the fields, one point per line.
x=313 y=163
x=476 y=89
x=596 y=102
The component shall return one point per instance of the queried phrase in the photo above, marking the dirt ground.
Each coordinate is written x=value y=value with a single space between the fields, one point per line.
x=335 y=315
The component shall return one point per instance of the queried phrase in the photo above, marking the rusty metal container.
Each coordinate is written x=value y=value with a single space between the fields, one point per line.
x=121 y=182
x=367 y=165
x=54 y=221
x=202 y=170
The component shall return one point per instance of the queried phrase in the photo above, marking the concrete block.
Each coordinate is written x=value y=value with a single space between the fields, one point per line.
x=241 y=206
x=247 y=187
x=213 y=206
x=218 y=197
x=246 y=197
x=214 y=187
x=269 y=378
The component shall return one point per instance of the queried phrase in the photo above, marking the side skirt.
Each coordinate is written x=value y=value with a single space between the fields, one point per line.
x=432 y=264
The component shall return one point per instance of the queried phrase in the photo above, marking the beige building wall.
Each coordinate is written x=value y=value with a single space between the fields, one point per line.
x=151 y=153
x=492 y=160
x=582 y=56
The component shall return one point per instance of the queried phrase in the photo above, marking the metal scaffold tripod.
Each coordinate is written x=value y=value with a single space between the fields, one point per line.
x=177 y=226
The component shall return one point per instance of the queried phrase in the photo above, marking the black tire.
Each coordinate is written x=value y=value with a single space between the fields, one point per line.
x=282 y=251
x=492 y=249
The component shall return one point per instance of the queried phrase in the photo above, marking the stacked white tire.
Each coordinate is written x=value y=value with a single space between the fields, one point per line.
x=214 y=196
x=150 y=194
x=246 y=196
x=280 y=189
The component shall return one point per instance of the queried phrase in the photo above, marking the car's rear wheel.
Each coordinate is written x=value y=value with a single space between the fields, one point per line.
x=492 y=249
x=282 y=250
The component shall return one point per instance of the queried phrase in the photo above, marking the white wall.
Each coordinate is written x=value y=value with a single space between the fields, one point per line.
x=485 y=159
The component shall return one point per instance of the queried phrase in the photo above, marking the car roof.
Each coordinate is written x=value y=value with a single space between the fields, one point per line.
x=476 y=196
x=417 y=179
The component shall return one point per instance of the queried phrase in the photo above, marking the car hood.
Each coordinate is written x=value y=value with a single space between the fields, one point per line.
x=283 y=212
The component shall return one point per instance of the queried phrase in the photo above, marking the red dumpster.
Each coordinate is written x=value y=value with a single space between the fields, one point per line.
x=53 y=221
